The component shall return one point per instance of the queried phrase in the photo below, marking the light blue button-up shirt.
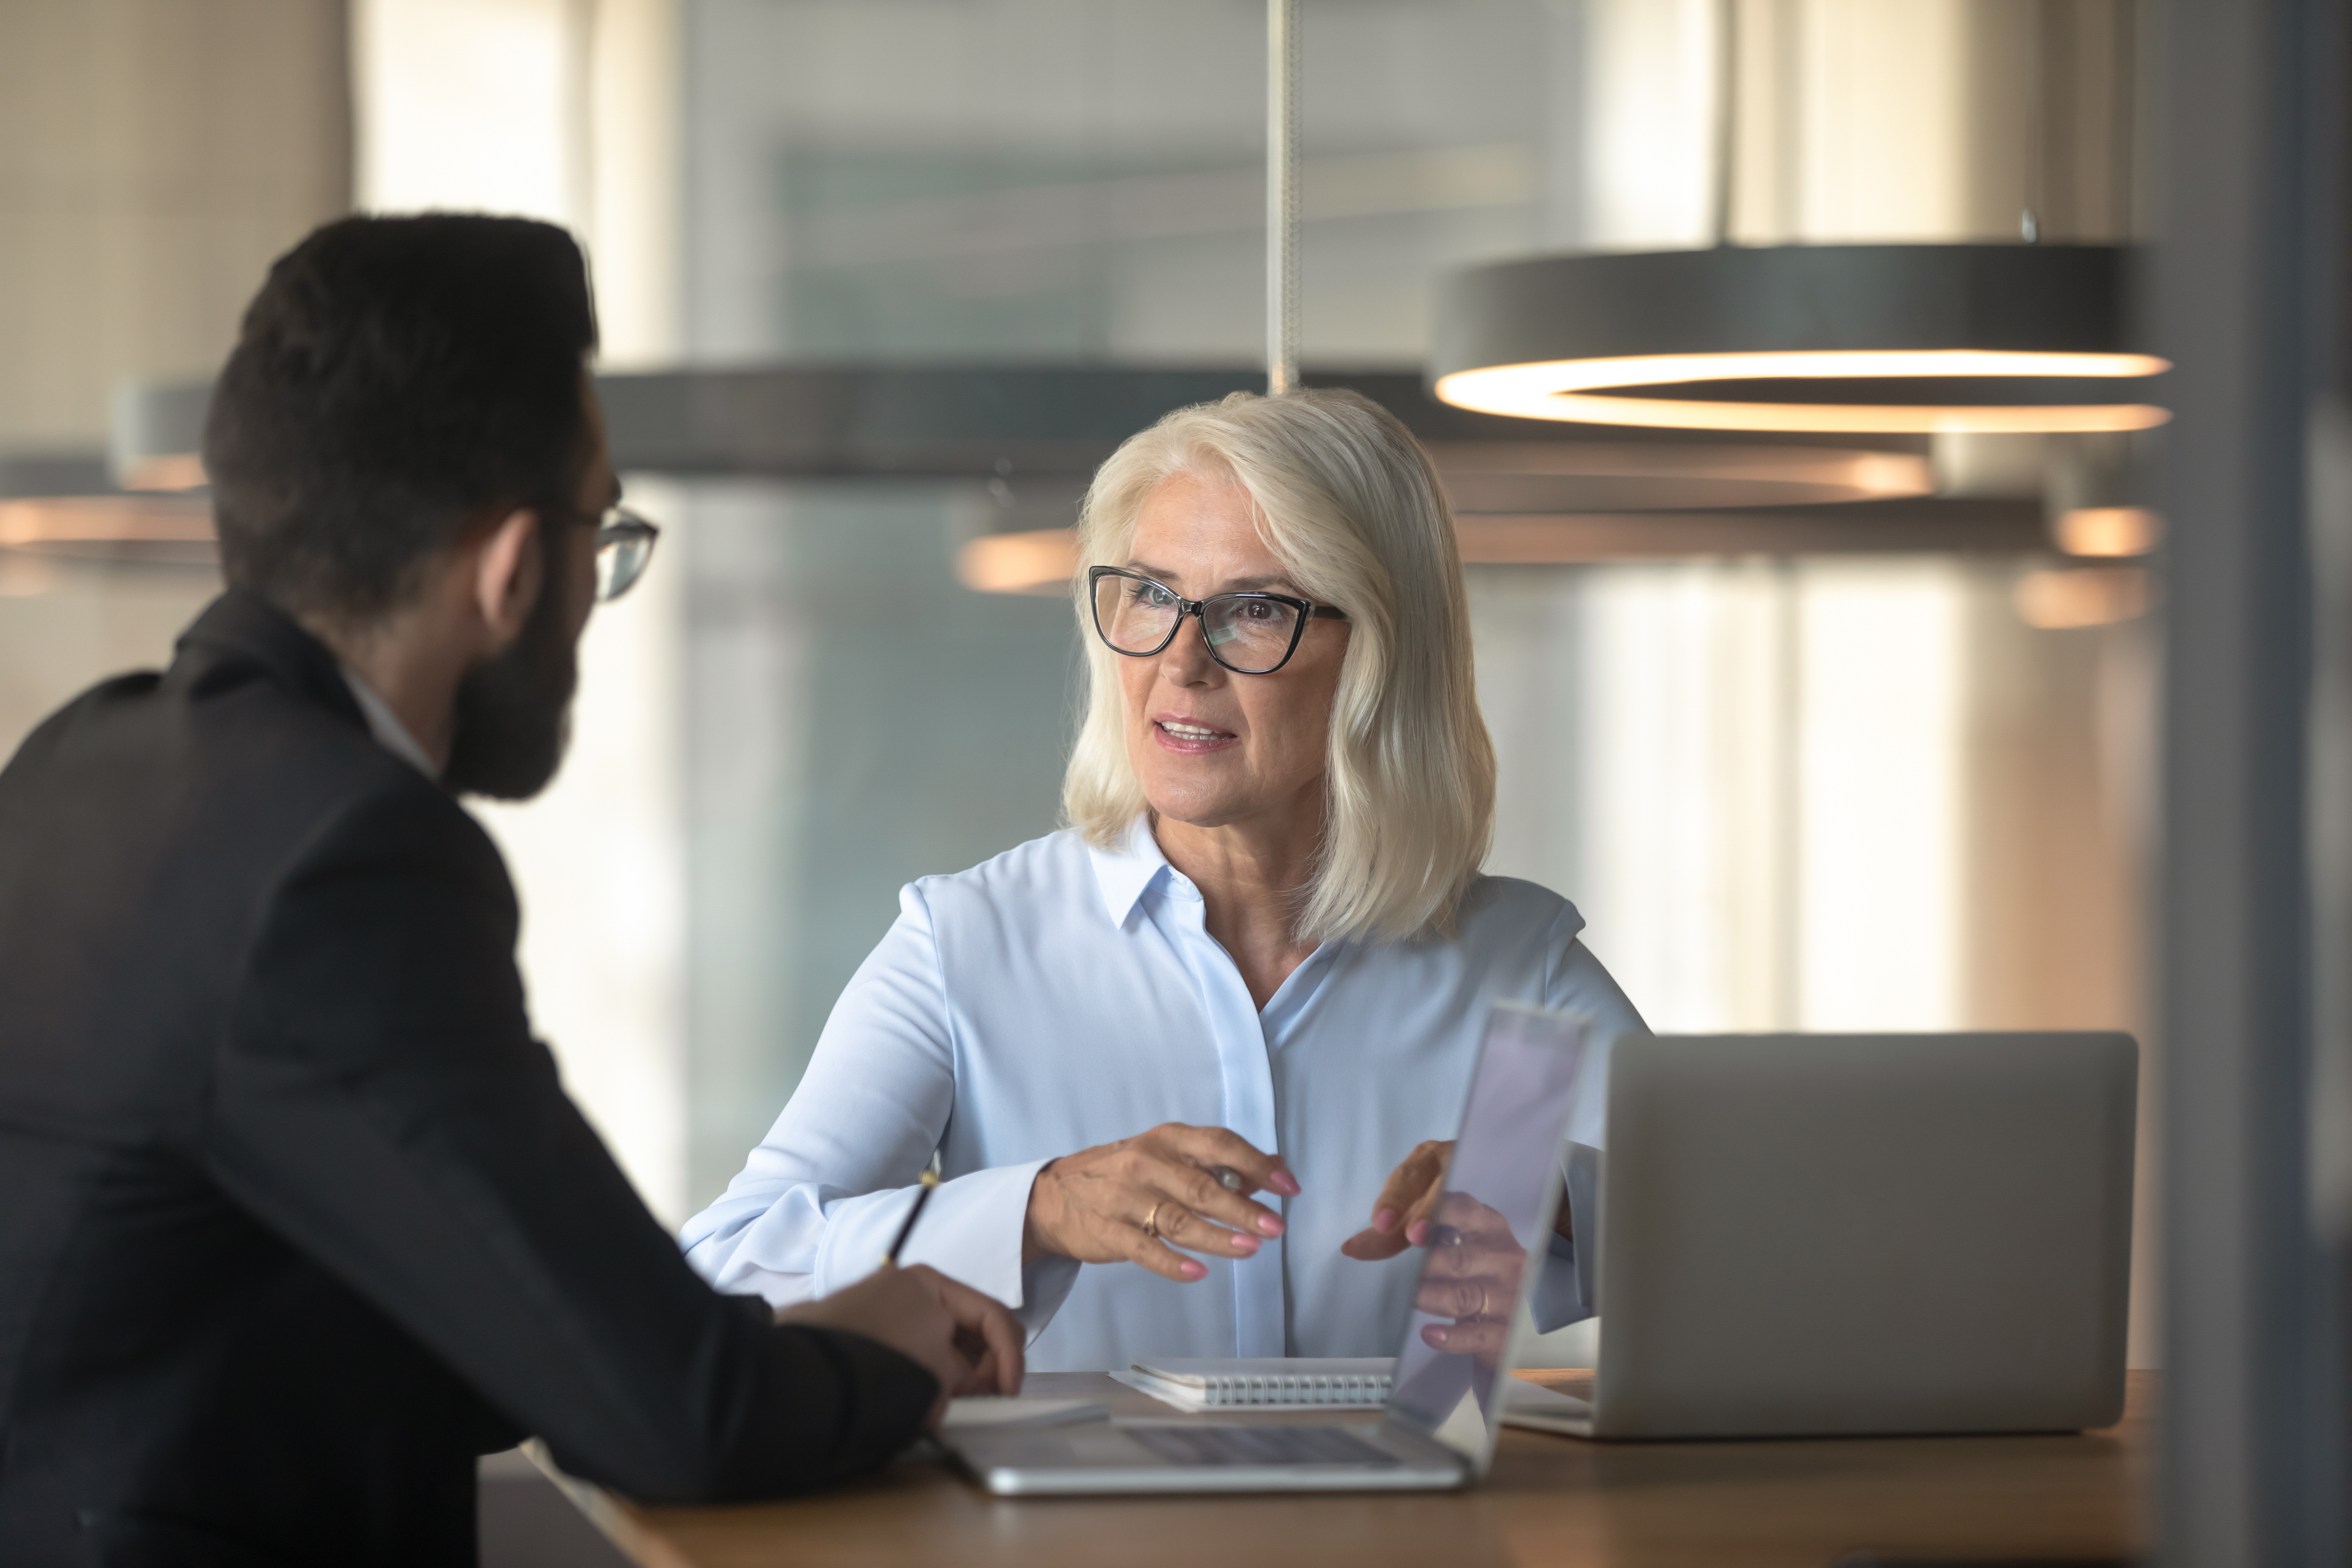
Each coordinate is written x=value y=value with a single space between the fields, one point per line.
x=1059 y=997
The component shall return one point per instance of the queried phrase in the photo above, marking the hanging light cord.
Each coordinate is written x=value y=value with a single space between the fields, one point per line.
x=1727 y=114
x=2037 y=109
x=1281 y=195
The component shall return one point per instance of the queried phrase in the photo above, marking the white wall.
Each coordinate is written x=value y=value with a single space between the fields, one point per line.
x=154 y=156
x=561 y=109
x=1748 y=774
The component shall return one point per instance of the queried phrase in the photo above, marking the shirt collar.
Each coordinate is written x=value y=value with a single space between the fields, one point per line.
x=386 y=725
x=1126 y=873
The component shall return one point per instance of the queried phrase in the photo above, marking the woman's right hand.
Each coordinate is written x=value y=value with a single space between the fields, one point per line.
x=1126 y=1202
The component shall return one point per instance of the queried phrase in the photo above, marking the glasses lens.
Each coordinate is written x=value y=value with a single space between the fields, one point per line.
x=1133 y=615
x=622 y=551
x=1249 y=633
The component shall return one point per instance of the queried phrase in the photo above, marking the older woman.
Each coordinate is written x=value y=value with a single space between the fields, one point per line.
x=1262 y=948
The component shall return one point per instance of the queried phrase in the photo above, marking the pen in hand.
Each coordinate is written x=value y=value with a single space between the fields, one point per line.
x=929 y=1180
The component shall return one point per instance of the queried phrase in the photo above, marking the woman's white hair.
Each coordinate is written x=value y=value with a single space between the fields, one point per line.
x=1348 y=501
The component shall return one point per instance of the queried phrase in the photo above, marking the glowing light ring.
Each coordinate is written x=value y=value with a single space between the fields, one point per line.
x=1562 y=389
x=1588 y=336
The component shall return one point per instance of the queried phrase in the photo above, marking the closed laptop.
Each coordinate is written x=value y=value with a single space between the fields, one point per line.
x=1807 y=1235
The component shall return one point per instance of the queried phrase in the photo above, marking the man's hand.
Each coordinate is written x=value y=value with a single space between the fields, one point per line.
x=1126 y=1201
x=967 y=1341
x=1403 y=1213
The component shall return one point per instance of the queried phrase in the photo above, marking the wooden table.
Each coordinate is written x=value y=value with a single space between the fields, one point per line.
x=1549 y=1500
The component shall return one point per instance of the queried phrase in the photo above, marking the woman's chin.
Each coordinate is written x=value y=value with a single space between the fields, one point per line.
x=1178 y=783
x=1194 y=808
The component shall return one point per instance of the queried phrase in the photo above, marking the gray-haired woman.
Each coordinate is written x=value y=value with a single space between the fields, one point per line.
x=1263 y=943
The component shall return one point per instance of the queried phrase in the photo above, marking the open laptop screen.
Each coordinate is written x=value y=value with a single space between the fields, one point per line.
x=1501 y=1192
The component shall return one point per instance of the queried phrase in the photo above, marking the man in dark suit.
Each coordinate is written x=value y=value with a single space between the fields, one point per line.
x=294 y=1219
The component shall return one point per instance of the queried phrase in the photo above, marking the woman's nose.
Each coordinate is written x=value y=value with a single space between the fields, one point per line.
x=1185 y=661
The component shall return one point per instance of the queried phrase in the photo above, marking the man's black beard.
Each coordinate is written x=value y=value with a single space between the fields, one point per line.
x=514 y=713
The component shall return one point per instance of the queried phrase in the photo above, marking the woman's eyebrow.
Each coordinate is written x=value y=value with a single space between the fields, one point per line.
x=1238 y=585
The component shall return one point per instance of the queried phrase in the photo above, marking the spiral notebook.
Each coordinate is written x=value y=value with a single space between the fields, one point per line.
x=1321 y=1383
x=1299 y=1382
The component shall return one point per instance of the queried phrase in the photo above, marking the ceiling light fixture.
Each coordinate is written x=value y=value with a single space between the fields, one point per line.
x=1890 y=339
x=162 y=531
x=1031 y=561
x=2076 y=598
x=2108 y=531
x=1041 y=560
x=156 y=436
x=166 y=471
x=1590 y=476
x=65 y=505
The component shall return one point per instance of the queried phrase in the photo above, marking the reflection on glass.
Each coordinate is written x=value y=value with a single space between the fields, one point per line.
x=1500 y=1197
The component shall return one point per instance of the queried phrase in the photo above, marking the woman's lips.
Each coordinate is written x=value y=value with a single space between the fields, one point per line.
x=1190 y=736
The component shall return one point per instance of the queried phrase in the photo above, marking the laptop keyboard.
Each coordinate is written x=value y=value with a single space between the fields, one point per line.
x=1261 y=1446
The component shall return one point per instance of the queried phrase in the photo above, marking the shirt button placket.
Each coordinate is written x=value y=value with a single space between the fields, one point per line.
x=1240 y=1039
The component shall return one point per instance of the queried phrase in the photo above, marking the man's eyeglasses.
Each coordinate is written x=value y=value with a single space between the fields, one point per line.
x=624 y=542
x=1249 y=633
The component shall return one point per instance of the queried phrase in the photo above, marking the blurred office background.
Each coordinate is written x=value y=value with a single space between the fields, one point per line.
x=1788 y=788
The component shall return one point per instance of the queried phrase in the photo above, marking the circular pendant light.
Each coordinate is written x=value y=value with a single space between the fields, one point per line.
x=1856 y=338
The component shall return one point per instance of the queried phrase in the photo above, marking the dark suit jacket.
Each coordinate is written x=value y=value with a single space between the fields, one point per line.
x=294 y=1219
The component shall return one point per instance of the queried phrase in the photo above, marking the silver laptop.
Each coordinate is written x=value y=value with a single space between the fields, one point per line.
x=1804 y=1235
x=1445 y=1407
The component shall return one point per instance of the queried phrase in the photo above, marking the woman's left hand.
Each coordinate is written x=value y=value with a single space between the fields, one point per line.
x=1408 y=1204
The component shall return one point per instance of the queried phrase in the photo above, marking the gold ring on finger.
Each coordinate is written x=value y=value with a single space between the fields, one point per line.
x=1151 y=1223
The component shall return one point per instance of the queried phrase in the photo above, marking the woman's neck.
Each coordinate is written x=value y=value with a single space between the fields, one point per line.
x=1252 y=878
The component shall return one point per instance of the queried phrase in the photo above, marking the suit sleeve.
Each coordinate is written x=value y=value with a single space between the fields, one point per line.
x=379 y=1103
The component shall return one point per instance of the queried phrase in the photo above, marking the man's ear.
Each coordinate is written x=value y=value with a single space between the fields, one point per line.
x=507 y=576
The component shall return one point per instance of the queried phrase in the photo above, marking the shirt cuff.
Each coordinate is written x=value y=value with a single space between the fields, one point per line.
x=971 y=1231
x=1565 y=1288
x=1046 y=1285
x=1559 y=1294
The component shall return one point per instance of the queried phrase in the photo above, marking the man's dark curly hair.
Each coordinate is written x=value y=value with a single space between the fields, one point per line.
x=395 y=380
